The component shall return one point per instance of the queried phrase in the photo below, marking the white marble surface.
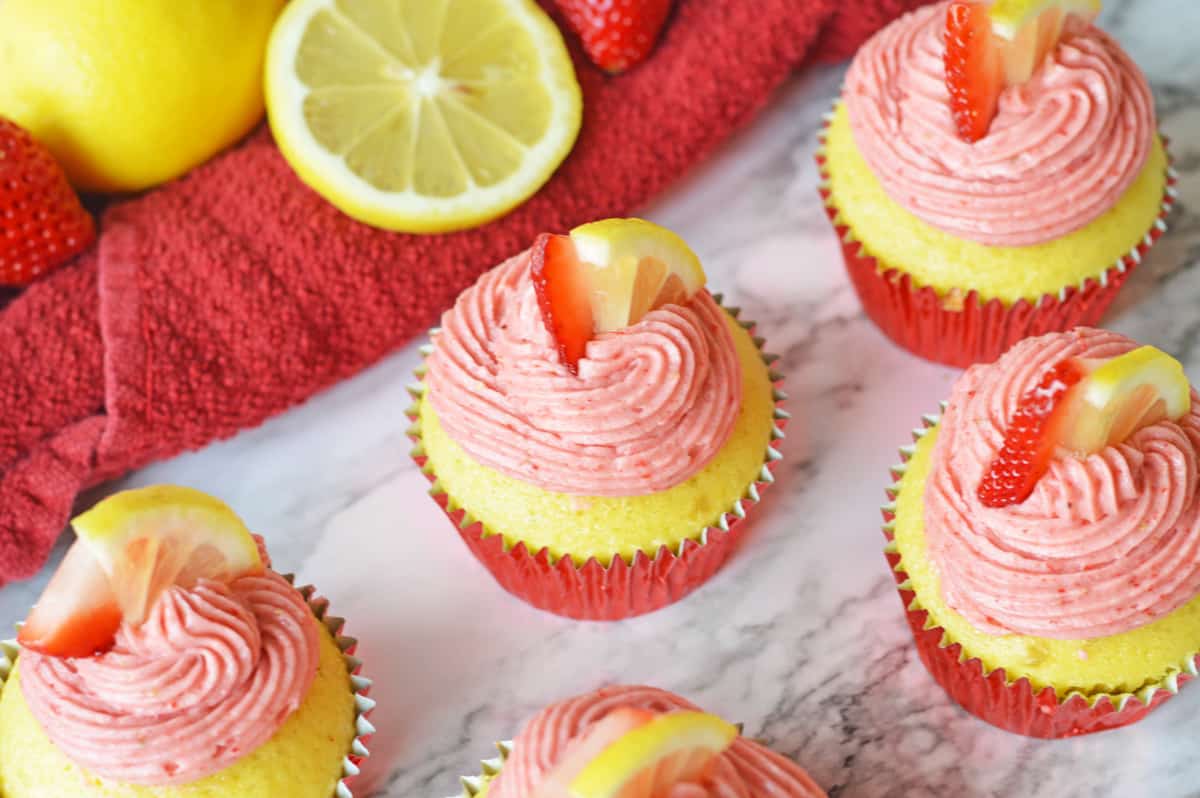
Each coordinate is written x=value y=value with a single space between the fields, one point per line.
x=801 y=636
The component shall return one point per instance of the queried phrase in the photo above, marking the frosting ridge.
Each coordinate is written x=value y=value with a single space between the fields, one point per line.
x=1061 y=150
x=650 y=406
x=744 y=770
x=210 y=676
x=1103 y=545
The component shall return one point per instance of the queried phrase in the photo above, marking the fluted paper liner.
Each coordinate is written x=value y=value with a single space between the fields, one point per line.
x=488 y=770
x=1012 y=704
x=622 y=589
x=959 y=329
x=359 y=685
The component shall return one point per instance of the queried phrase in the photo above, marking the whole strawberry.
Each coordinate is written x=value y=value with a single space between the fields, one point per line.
x=42 y=224
x=617 y=34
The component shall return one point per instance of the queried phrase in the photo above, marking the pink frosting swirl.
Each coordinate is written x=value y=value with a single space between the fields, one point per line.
x=651 y=405
x=744 y=770
x=1062 y=149
x=210 y=676
x=1102 y=546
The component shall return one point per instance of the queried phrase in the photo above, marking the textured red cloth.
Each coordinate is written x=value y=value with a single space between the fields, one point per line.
x=235 y=293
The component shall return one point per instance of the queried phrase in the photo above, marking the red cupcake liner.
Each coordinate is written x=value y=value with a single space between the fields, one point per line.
x=1012 y=705
x=959 y=330
x=360 y=686
x=593 y=591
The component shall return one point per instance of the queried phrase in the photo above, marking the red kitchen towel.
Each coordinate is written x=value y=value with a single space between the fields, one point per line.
x=232 y=294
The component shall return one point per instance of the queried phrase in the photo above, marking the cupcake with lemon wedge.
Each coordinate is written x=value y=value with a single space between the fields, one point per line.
x=993 y=171
x=595 y=422
x=1045 y=532
x=166 y=659
x=635 y=742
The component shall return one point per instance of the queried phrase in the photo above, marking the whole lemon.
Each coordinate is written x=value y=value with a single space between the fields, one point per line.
x=129 y=93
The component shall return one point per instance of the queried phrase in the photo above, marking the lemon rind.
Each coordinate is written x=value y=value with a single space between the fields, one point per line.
x=1010 y=26
x=108 y=525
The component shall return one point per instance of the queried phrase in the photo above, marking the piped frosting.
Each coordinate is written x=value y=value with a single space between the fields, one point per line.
x=1061 y=150
x=651 y=405
x=1103 y=545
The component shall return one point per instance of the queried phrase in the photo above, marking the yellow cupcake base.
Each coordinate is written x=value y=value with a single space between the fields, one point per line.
x=1138 y=662
x=307 y=758
x=956 y=266
x=604 y=527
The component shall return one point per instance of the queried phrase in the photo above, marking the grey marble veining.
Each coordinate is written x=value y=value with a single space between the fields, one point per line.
x=801 y=636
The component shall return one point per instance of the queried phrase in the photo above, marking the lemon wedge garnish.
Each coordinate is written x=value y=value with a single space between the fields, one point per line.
x=149 y=539
x=1010 y=16
x=421 y=116
x=672 y=748
x=1121 y=395
x=634 y=266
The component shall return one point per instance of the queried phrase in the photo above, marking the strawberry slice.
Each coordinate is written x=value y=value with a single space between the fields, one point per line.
x=563 y=290
x=974 y=69
x=1079 y=407
x=616 y=34
x=1031 y=438
x=78 y=615
x=990 y=47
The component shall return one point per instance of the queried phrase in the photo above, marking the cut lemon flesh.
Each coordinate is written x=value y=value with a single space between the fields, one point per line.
x=634 y=266
x=582 y=750
x=1010 y=16
x=149 y=539
x=421 y=115
x=1121 y=395
x=1032 y=28
x=643 y=763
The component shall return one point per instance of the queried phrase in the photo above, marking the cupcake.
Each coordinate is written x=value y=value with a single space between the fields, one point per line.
x=595 y=423
x=166 y=659
x=1045 y=534
x=992 y=173
x=635 y=742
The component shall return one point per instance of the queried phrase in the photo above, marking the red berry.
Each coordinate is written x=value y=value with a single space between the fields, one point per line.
x=617 y=34
x=78 y=614
x=1031 y=438
x=563 y=293
x=974 y=68
x=42 y=224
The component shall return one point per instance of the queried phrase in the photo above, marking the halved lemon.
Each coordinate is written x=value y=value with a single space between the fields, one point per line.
x=421 y=115
x=643 y=763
